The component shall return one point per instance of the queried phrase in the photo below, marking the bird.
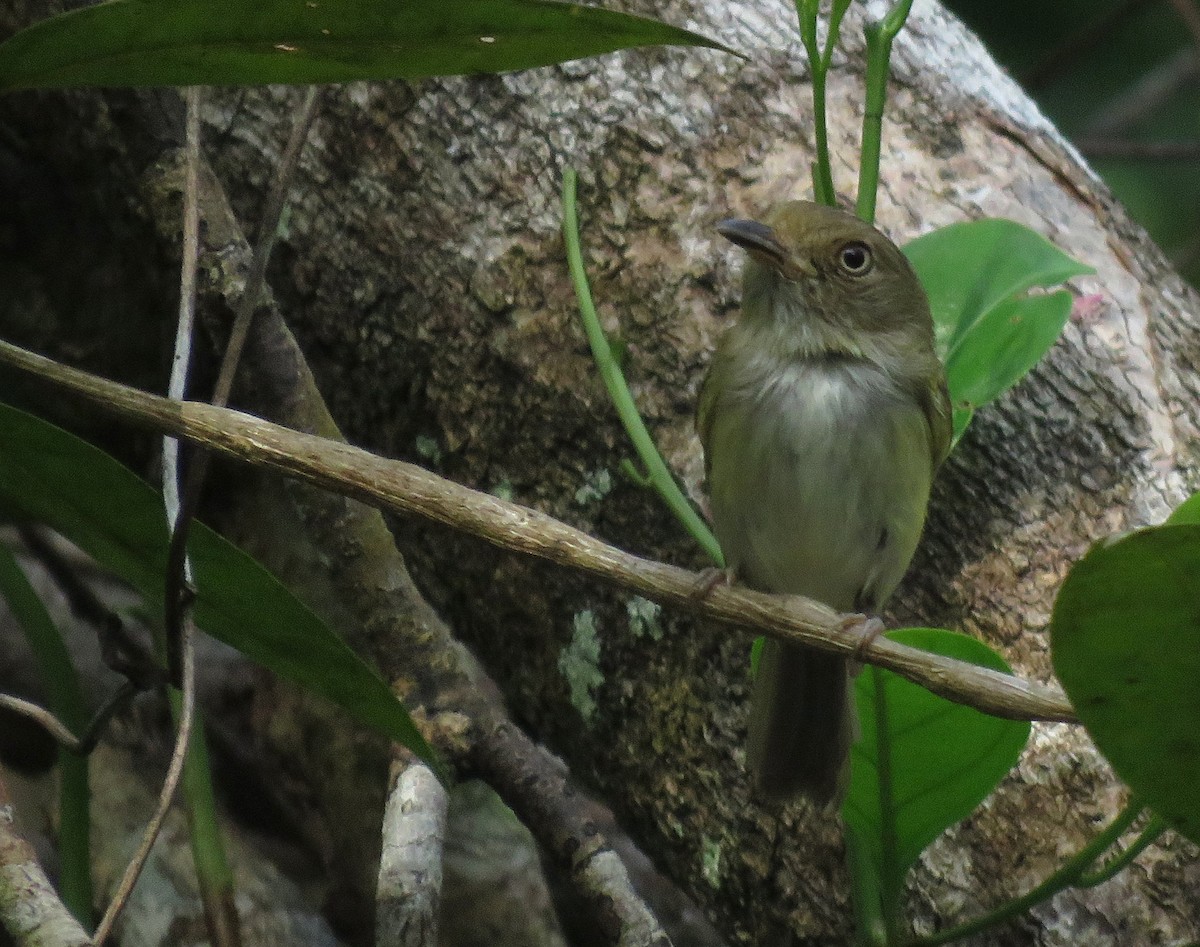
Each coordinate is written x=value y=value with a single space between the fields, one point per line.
x=823 y=416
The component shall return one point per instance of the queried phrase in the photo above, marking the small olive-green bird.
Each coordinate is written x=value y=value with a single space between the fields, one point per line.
x=824 y=416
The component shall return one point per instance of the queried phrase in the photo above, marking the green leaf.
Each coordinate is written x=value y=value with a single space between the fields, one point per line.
x=1125 y=640
x=66 y=702
x=56 y=478
x=228 y=42
x=922 y=763
x=1187 y=512
x=988 y=333
x=969 y=268
x=1004 y=345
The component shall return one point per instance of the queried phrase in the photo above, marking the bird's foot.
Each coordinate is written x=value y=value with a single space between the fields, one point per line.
x=867 y=628
x=708 y=579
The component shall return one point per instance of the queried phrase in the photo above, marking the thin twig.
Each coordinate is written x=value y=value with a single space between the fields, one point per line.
x=43 y=718
x=179 y=628
x=269 y=230
x=179 y=515
x=95 y=728
x=412 y=490
x=197 y=471
x=170 y=785
x=58 y=731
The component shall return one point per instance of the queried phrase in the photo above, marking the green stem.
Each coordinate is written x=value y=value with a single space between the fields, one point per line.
x=879 y=51
x=74 y=831
x=889 y=895
x=213 y=874
x=1067 y=876
x=656 y=469
x=870 y=929
x=66 y=702
x=1154 y=828
x=835 y=27
x=208 y=851
x=822 y=170
x=818 y=64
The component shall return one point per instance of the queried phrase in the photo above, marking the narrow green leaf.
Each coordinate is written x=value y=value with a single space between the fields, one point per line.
x=962 y=417
x=66 y=702
x=969 y=268
x=232 y=42
x=923 y=762
x=1125 y=640
x=56 y=478
x=63 y=695
x=1004 y=345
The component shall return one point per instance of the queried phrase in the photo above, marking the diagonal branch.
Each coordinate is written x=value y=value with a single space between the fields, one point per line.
x=406 y=488
x=30 y=910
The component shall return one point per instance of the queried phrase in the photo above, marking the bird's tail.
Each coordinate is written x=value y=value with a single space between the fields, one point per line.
x=802 y=725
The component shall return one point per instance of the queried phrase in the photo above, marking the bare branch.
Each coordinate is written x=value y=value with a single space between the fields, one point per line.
x=410 y=869
x=43 y=717
x=409 y=489
x=538 y=791
x=30 y=909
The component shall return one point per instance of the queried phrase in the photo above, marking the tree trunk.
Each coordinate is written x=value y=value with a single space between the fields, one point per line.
x=423 y=272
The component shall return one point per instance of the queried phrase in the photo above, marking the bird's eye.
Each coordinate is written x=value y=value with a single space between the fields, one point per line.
x=855 y=258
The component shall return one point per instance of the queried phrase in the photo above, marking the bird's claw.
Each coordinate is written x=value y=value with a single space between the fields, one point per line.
x=708 y=579
x=867 y=628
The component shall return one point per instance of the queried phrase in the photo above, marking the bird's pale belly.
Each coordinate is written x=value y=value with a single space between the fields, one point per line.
x=819 y=486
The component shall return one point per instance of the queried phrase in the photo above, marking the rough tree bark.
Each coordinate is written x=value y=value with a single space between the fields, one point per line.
x=423 y=272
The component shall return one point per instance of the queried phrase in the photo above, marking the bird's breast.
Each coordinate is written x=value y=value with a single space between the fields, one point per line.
x=819 y=475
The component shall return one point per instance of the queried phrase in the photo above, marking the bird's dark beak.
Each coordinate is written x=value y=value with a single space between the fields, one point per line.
x=755 y=237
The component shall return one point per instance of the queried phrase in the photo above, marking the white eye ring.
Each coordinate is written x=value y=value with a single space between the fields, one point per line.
x=855 y=258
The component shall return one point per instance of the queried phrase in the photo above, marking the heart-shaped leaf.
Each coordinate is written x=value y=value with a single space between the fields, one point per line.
x=56 y=478
x=987 y=332
x=970 y=268
x=1001 y=349
x=1187 y=512
x=232 y=42
x=922 y=763
x=1125 y=638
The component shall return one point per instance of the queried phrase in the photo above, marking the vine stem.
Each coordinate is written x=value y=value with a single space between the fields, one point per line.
x=1069 y=875
x=879 y=52
x=656 y=469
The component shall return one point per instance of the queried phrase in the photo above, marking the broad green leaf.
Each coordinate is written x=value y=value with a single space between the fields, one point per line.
x=1187 y=512
x=1003 y=346
x=970 y=268
x=1125 y=639
x=922 y=763
x=56 y=478
x=233 y=42
x=988 y=334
